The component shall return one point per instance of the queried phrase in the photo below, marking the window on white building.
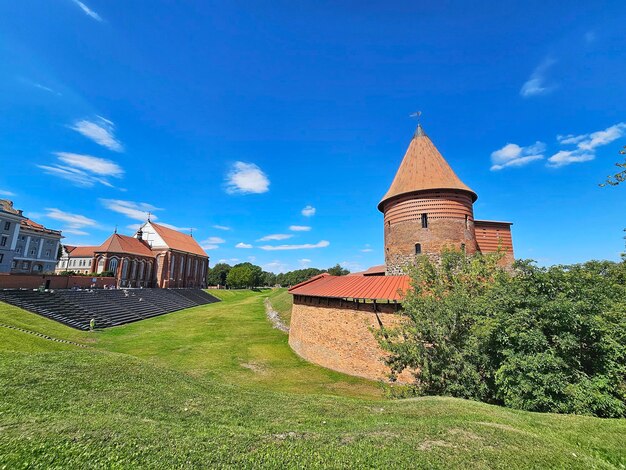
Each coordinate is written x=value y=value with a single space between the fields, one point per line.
x=3 y=241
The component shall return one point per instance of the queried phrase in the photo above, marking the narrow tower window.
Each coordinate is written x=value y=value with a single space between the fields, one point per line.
x=466 y=221
x=418 y=248
x=463 y=247
x=424 y=220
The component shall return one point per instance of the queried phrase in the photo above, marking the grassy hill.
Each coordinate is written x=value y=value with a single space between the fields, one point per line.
x=217 y=386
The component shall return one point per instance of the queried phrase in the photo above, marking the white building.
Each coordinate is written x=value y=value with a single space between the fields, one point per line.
x=10 y=219
x=36 y=249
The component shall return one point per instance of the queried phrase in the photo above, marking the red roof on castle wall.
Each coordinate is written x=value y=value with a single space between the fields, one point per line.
x=423 y=168
x=354 y=287
x=179 y=241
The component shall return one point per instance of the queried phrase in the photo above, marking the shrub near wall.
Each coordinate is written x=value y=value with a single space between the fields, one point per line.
x=541 y=339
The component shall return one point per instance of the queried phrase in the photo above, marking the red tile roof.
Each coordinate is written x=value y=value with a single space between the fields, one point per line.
x=35 y=226
x=179 y=241
x=378 y=270
x=117 y=243
x=354 y=287
x=423 y=168
x=81 y=251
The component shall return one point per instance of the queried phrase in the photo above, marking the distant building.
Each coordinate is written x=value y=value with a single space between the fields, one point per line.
x=36 y=249
x=155 y=256
x=76 y=258
x=10 y=219
x=26 y=247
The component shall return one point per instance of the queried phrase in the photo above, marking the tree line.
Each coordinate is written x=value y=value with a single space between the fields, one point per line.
x=540 y=339
x=248 y=275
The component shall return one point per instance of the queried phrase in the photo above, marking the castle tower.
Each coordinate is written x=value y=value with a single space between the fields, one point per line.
x=427 y=208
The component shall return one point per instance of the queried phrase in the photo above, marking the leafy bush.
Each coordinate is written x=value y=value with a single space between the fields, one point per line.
x=541 y=339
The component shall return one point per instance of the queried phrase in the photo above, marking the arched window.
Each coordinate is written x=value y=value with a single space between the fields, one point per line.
x=149 y=270
x=113 y=263
x=133 y=270
x=424 y=220
x=100 y=264
x=418 y=248
x=125 y=269
x=172 y=266
x=181 y=272
x=142 y=266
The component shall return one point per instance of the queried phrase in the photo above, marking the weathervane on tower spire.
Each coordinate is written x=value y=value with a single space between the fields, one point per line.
x=419 y=131
x=149 y=214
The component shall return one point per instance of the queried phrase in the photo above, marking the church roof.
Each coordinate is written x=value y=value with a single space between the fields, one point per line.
x=81 y=251
x=117 y=243
x=423 y=168
x=354 y=287
x=178 y=241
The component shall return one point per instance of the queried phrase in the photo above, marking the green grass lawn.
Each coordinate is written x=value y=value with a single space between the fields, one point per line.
x=217 y=386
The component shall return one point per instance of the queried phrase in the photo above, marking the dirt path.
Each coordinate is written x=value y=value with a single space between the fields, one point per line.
x=274 y=318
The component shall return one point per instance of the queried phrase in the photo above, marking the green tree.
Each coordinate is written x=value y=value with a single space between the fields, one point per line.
x=245 y=275
x=216 y=276
x=337 y=270
x=618 y=177
x=541 y=339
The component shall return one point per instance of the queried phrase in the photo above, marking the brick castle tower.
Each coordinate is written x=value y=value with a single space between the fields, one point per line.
x=426 y=209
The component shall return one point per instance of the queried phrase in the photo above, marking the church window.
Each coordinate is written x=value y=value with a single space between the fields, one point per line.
x=113 y=265
x=424 y=220
x=418 y=248
x=173 y=261
x=125 y=269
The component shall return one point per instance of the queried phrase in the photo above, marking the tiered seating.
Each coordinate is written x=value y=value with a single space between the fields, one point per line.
x=108 y=308
x=198 y=296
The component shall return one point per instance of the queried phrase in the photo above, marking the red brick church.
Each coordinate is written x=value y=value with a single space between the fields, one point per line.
x=156 y=256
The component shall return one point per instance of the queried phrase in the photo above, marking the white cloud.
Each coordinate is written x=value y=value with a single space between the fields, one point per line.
x=275 y=236
x=221 y=227
x=134 y=227
x=74 y=231
x=88 y=11
x=6 y=193
x=299 y=228
x=536 y=84
x=74 y=221
x=243 y=245
x=246 y=178
x=276 y=267
x=304 y=262
x=133 y=210
x=352 y=266
x=101 y=131
x=45 y=88
x=230 y=260
x=306 y=246
x=83 y=170
x=178 y=229
x=514 y=155
x=308 y=211
x=212 y=243
x=586 y=145
x=367 y=250
x=96 y=165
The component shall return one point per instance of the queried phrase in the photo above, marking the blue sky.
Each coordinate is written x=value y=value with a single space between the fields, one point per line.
x=274 y=128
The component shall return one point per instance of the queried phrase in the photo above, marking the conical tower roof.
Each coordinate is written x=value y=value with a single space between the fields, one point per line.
x=423 y=168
